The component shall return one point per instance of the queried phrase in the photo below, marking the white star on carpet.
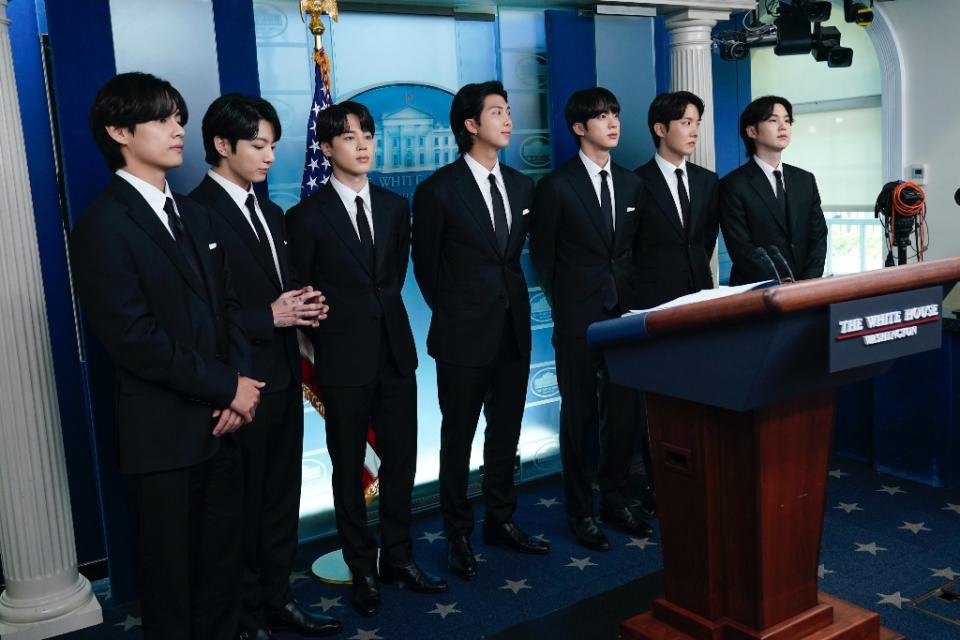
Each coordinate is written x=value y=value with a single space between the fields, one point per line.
x=837 y=473
x=915 y=527
x=643 y=543
x=516 y=585
x=893 y=598
x=947 y=573
x=542 y=537
x=431 y=536
x=328 y=603
x=952 y=507
x=580 y=563
x=849 y=506
x=297 y=576
x=870 y=548
x=445 y=609
x=547 y=502
x=822 y=571
x=478 y=557
x=129 y=623
x=890 y=490
x=363 y=634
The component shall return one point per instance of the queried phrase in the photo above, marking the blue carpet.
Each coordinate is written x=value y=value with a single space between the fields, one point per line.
x=870 y=556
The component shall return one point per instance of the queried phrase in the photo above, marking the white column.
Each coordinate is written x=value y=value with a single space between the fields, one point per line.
x=45 y=595
x=691 y=69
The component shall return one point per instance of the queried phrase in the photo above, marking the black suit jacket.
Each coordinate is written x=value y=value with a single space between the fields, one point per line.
x=176 y=338
x=750 y=217
x=580 y=270
x=325 y=251
x=464 y=278
x=672 y=261
x=276 y=359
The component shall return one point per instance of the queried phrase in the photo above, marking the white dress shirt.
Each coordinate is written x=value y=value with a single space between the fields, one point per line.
x=768 y=171
x=349 y=198
x=154 y=197
x=593 y=169
x=481 y=175
x=669 y=171
x=239 y=195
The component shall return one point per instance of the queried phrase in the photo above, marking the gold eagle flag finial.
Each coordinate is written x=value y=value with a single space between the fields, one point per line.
x=316 y=9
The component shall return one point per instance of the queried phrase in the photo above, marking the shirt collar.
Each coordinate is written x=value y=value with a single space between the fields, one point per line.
x=592 y=167
x=480 y=172
x=348 y=195
x=767 y=169
x=667 y=167
x=237 y=193
x=154 y=197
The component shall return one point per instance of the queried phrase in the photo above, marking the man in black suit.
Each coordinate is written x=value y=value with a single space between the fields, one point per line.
x=678 y=223
x=772 y=206
x=155 y=286
x=585 y=217
x=351 y=239
x=240 y=134
x=469 y=224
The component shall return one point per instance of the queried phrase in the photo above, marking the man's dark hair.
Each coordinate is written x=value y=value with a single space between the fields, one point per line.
x=587 y=104
x=235 y=117
x=668 y=107
x=468 y=105
x=129 y=99
x=755 y=113
x=332 y=121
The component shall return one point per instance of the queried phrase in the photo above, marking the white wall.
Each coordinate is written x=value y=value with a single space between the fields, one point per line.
x=930 y=49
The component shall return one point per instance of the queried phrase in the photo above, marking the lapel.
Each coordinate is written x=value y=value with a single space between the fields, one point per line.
x=621 y=199
x=696 y=195
x=791 y=186
x=381 y=229
x=760 y=184
x=146 y=219
x=660 y=190
x=516 y=210
x=336 y=214
x=580 y=181
x=199 y=245
x=225 y=206
x=469 y=192
x=274 y=220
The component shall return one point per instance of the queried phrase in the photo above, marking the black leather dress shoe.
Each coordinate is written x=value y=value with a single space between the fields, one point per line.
x=291 y=617
x=254 y=634
x=365 y=598
x=648 y=504
x=460 y=557
x=625 y=520
x=587 y=533
x=508 y=534
x=412 y=577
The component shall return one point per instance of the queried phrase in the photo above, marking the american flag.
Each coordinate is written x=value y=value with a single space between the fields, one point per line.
x=316 y=173
x=316 y=167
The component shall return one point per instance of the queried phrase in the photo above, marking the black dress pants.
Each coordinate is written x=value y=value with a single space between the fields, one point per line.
x=500 y=390
x=190 y=557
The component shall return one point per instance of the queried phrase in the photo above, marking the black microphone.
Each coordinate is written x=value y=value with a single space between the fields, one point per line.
x=761 y=254
x=956 y=196
x=777 y=256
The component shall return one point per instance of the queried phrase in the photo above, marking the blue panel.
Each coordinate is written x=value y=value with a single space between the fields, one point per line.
x=571 y=59
x=83 y=60
x=625 y=65
x=661 y=44
x=731 y=94
x=26 y=21
x=236 y=46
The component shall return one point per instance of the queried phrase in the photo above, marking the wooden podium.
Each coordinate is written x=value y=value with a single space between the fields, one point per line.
x=740 y=405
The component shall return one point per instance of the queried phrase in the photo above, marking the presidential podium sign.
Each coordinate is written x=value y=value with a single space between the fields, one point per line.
x=740 y=404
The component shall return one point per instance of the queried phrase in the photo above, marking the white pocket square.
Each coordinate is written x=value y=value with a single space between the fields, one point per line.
x=284 y=243
x=631 y=209
x=525 y=212
x=212 y=245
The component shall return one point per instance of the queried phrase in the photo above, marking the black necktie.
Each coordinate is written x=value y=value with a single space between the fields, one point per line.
x=366 y=238
x=181 y=236
x=260 y=231
x=499 y=215
x=782 y=198
x=684 y=200
x=606 y=204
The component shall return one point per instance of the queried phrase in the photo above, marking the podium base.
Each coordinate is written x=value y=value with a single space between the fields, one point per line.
x=332 y=569
x=849 y=622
